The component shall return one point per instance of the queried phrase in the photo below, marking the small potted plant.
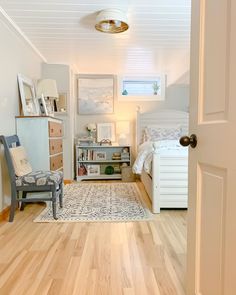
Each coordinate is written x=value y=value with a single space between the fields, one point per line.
x=91 y=127
x=155 y=87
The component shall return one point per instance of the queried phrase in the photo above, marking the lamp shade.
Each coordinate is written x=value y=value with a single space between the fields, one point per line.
x=47 y=87
x=122 y=127
x=111 y=21
x=123 y=130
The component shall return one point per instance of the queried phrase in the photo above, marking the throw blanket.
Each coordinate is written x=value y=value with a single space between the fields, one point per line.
x=145 y=152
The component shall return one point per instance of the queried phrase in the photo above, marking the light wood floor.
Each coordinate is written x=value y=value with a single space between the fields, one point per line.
x=93 y=258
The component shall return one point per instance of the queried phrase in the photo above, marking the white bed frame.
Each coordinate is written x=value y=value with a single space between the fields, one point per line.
x=168 y=186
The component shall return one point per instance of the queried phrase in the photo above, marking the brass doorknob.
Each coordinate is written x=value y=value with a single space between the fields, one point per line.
x=186 y=141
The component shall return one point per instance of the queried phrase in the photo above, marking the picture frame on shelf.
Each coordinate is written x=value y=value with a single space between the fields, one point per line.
x=42 y=106
x=95 y=94
x=100 y=155
x=29 y=103
x=49 y=103
x=93 y=170
x=105 y=131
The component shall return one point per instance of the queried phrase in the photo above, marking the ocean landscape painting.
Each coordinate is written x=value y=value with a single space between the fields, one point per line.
x=95 y=95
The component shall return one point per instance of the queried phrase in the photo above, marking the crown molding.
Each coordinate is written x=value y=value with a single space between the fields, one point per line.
x=20 y=33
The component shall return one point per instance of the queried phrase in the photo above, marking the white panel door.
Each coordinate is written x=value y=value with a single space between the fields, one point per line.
x=212 y=171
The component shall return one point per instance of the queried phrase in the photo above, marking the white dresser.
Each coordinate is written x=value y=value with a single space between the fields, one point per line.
x=42 y=139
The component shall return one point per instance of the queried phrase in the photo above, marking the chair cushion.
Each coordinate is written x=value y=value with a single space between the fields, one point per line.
x=38 y=178
x=20 y=161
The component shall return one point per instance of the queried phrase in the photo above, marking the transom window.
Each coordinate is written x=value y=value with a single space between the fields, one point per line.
x=141 y=88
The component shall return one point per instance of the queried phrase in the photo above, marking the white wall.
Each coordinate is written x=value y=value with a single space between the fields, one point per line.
x=16 y=56
x=177 y=97
x=64 y=77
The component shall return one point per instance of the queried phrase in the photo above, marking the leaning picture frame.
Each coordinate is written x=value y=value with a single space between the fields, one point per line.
x=29 y=103
x=105 y=131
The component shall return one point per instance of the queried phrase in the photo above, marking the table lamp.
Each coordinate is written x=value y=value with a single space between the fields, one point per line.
x=123 y=130
x=48 y=88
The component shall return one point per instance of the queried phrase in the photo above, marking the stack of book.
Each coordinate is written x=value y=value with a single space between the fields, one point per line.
x=85 y=141
x=116 y=156
x=117 y=169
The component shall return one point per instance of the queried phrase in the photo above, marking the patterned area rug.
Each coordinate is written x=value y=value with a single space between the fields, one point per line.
x=89 y=202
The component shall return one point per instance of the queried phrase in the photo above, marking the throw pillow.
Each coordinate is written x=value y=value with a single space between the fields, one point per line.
x=20 y=161
x=160 y=133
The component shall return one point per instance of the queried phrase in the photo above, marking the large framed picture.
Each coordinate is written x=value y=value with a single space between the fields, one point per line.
x=105 y=131
x=95 y=94
x=93 y=170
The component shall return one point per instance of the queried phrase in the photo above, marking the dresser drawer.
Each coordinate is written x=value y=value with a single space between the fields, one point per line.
x=56 y=162
x=55 y=146
x=54 y=129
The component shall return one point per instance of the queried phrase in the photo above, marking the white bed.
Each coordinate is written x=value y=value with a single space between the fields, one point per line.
x=167 y=183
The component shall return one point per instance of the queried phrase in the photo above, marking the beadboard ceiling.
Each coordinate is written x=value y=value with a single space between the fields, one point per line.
x=63 y=31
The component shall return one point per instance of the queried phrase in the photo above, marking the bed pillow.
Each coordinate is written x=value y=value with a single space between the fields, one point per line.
x=154 y=133
x=20 y=161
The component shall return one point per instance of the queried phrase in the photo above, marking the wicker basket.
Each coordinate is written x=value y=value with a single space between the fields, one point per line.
x=127 y=174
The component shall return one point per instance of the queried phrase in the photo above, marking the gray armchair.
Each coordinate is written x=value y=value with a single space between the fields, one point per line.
x=37 y=181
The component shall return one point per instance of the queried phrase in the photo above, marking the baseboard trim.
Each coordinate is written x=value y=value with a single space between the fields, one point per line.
x=67 y=181
x=4 y=214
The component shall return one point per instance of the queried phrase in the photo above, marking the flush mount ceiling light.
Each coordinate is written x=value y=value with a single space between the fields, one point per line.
x=111 y=21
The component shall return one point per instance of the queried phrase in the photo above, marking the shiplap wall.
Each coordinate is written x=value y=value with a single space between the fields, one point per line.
x=63 y=31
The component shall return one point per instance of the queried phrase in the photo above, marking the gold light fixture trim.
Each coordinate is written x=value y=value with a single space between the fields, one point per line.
x=111 y=21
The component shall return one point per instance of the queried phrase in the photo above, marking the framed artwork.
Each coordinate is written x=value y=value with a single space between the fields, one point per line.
x=42 y=106
x=99 y=155
x=29 y=101
x=93 y=170
x=95 y=94
x=105 y=131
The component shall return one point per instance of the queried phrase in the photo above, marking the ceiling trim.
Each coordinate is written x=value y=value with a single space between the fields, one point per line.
x=21 y=33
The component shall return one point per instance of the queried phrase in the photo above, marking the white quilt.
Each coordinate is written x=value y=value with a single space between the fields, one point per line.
x=145 y=152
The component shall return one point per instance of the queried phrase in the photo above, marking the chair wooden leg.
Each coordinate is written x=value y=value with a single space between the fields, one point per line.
x=22 y=205
x=61 y=195
x=54 y=204
x=13 y=205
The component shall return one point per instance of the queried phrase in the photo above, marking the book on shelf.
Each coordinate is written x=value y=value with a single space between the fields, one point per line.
x=86 y=155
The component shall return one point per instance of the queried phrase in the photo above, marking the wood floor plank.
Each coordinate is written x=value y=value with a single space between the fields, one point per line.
x=134 y=258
